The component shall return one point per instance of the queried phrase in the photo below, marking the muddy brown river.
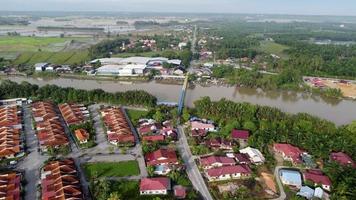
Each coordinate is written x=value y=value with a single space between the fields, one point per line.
x=338 y=111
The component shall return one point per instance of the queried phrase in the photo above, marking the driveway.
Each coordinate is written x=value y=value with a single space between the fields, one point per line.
x=191 y=167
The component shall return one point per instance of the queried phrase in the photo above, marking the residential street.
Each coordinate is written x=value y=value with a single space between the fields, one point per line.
x=32 y=163
x=191 y=167
x=282 y=195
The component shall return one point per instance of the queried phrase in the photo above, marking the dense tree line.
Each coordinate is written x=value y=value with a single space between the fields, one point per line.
x=9 y=89
x=104 y=48
x=268 y=125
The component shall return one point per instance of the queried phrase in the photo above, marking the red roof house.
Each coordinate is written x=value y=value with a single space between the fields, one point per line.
x=179 y=192
x=153 y=138
x=10 y=186
x=240 y=134
x=161 y=157
x=155 y=186
x=342 y=158
x=216 y=161
x=289 y=152
x=318 y=178
x=228 y=172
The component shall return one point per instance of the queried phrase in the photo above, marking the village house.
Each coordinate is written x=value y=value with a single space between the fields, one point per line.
x=161 y=157
x=197 y=125
x=219 y=143
x=289 y=152
x=10 y=186
x=342 y=158
x=242 y=158
x=318 y=178
x=82 y=135
x=155 y=186
x=254 y=155
x=180 y=192
x=216 y=161
x=59 y=179
x=241 y=136
x=228 y=172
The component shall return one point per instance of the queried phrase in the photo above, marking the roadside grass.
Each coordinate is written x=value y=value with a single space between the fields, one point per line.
x=111 y=169
x=270 y=47
x=135 y=115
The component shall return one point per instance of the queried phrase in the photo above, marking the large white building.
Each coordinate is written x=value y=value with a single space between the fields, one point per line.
x=132 y=66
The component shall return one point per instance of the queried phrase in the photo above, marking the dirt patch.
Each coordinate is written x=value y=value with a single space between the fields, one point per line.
x=347 y=89
x=269 y=181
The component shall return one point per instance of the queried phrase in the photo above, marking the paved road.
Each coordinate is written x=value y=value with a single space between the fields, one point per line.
x=282 y=195
x=191 y=167
x=32 y=163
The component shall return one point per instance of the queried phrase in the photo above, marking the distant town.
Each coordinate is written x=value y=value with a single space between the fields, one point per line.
x=72 y=142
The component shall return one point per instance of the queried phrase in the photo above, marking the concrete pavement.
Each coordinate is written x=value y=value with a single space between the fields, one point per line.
x=282 y=195
x=191 y=167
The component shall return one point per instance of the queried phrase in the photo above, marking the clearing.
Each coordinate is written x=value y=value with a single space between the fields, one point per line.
x=135 y=115
x=111 y=169
x=270 y=47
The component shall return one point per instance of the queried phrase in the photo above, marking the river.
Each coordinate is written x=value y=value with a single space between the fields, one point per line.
x=338 y=111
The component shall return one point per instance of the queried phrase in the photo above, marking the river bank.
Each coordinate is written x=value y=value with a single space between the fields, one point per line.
x=336 y=110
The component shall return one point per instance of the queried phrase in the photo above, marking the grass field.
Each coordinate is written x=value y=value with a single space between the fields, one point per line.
x=70 y=57
x=111 y=169
x=135 y=115
x=23 y=44
x=273 y=48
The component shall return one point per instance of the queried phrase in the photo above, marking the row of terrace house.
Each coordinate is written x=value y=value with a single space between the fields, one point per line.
x=118 y=128
x=10 y=186
x=50 y=131
x=11 y=142
x=74 y=114
x=60 y=180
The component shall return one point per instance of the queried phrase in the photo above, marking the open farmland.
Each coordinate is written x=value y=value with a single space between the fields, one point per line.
x=65 y=57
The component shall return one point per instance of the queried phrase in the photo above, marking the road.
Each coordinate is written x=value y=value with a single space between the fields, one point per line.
x=194 y=40
x=282 y=195
x=32 y=163
x=191 y=167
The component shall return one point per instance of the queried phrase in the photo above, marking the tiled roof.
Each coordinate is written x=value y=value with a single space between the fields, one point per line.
x=240 y=134
x=50 y=130
x=225 y=170
x=290 y=151
x=81 y=134
x=208 y=161
x=201 y=125
x=342 y=158
x=155 y=184
x=117 y=125
x=10 y=186
x=59 y=180
x=317 y=176
x=153 y=138
x=161 y=156
x=73 y=113
x=9 y=141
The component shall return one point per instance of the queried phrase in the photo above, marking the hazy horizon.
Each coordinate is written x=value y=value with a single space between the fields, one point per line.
x=290 y=7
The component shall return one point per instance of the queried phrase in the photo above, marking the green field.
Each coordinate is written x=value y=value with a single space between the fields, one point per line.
x=135 y=115
x=270 y=47
x=65 y=57
x=111 y=169
x=23 y=44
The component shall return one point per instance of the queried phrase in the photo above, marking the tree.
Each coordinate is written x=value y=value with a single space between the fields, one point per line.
x=114 y=196
x=150 y=170
x=158 y=116
x=185 y=114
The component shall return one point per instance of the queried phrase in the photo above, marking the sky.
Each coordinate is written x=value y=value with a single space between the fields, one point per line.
x=307 y=7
